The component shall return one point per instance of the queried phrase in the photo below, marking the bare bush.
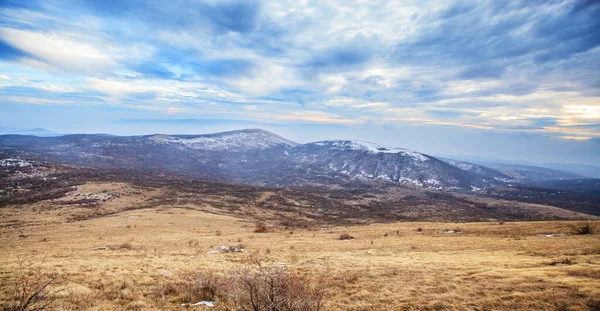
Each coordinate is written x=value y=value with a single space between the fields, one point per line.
x=272 y=289
x=201 y=286
x=586 y=228
x=593 y=304
x=31 y=291
x=257 y=289
x=563 y=261
x=261 y=228
x=346 y=236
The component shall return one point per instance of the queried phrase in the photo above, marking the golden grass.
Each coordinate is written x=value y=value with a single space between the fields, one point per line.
x=121 y=261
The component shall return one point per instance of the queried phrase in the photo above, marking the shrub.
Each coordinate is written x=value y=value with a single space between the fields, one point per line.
x=584 y=229
x=261 y=228
x=254 y=289
x=278 y=289
x=126 y=246
x=346 y=236
x=564 y=261
x=201 y=286
x=593 y=304
x=31 y=290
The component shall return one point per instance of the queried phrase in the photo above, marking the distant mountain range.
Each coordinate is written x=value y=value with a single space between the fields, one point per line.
x=34 y=131
x=259 y=157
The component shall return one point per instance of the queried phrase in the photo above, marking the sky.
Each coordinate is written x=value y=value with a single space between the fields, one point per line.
x=515 y=80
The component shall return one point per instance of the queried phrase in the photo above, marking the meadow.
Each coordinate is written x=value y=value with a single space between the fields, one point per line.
x=163 y=257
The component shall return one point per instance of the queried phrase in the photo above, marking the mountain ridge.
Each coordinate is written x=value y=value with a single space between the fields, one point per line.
x=259 y=157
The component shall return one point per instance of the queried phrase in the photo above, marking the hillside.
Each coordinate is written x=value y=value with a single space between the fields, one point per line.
x=253 y=157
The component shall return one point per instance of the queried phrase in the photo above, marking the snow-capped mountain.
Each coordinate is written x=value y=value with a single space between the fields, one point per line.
x=259 y=157
x=364 y=160
x=234 y=141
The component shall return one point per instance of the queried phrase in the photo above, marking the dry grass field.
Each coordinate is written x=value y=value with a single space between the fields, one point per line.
x=110 y=257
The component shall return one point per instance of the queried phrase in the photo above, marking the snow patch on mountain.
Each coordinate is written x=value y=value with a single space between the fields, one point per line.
x=371 y=148
x=227 y=141
x=14 y=162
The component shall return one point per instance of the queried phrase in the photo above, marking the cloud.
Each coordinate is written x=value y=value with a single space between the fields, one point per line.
x=120 y=88
x=9 y=52
x=353 y=52
x=316 y=116
x=61 y=52
x=518 y=67
x=263 y=80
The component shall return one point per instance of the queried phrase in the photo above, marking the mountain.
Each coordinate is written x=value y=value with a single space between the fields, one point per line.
x=4 y=129
x=589 y=171
x=532 y=174
x=233 y=141
x=364 y=160
x=34 y=132
x=259 y=157
x=480 y=170
x=513 y=173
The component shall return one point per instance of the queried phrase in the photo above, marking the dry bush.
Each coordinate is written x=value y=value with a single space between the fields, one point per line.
x=593 y=304
x=31 y=289
x=586 y=228
x=256 y=289
x=278 y=289
x=198 y=286
x=564 y=261
x=346 y=236
x=124 y=246
x=261 y=228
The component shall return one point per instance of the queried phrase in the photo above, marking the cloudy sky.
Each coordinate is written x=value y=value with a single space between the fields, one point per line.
x=505 y=79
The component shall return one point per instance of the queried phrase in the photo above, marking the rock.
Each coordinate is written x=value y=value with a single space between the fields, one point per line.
x=205 y=303
x=230 y=249
x=102 y=248
x=451 y=232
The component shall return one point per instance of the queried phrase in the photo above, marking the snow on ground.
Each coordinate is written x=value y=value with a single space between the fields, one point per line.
x=14 y=162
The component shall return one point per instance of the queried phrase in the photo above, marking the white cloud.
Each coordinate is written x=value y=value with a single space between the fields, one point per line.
x=57 y=89
x=267 y=78
x=61 y=52
x=119 y=88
